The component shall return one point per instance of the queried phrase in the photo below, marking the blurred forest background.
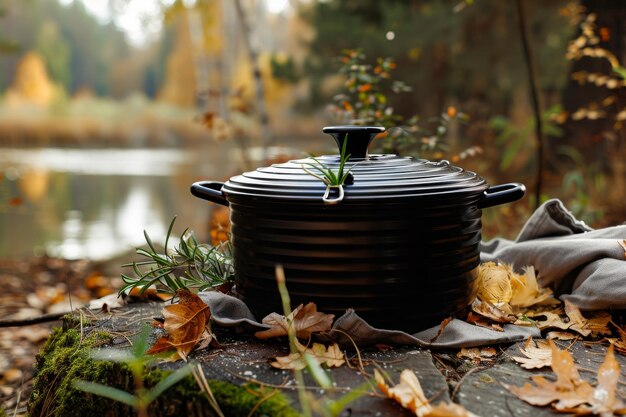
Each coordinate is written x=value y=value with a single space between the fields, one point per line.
x=109 y=109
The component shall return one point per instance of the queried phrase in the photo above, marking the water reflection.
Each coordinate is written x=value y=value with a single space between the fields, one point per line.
x=92 y=203
x=152 y=162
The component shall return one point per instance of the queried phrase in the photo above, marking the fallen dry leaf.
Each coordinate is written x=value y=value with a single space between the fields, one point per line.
x=330 y=356
x=570 y=393
x=598 y=324
x=409 y=394
x=477 y=354
x=537 y=354
x=606 y=400
x=620 y=344
x=622 y=243
x=186 y=324
x=494 y=282
x=561 y=335
x=107 y=303
x=526 y=290
x=148 y=294
x=567 y=392
x=481 y=321
x=499 y=284
x=497 y=313
x=500 y=287
x=306 y=320
x=552 y=320
x=443 y=325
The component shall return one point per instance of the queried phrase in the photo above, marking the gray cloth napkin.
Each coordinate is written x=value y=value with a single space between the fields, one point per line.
x=582 y=265
x=586 y=266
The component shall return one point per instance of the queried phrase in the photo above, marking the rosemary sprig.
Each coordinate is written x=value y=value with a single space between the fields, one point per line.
x=190 y=265
x=326 y=174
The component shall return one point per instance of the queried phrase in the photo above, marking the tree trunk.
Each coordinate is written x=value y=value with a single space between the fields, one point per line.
x=253 y=56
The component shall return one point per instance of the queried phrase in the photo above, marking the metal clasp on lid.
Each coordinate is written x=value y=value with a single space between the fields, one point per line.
x=336 y=200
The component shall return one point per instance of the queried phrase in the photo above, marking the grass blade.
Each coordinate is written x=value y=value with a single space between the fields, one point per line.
x=167 y=382
x=107 y=392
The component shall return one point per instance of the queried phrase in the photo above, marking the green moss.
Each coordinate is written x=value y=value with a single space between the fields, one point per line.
x=233 y=400
x=65 y=358
x=74 y=321
x=3 y=413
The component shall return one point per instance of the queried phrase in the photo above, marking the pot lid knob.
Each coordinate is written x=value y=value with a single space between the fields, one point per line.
x=359 y=138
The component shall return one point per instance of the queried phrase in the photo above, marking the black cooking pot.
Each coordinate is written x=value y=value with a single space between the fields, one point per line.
x=401 y=246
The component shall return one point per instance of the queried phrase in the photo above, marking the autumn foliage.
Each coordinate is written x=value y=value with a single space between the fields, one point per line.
x=186 y=323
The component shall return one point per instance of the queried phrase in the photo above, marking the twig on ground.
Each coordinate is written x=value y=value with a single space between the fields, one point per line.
x=358 y=353
x=468 y=373
x=45 y=318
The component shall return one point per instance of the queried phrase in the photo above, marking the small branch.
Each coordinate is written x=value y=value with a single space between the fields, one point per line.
x=534 y=91
x=462 y=380
x=33 y=320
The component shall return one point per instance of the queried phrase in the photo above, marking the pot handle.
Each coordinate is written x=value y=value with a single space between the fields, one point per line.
x=209 y=190
x=500 y=194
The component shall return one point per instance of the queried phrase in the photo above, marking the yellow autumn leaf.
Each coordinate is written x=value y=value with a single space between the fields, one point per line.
x=526 y=291
x=330 y=356
x=410 y=395
x=500 y=285
x=494 y=283
x=408 y=392
x=537 y=354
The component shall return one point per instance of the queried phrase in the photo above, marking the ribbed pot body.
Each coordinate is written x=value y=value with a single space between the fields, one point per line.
x=401 y=265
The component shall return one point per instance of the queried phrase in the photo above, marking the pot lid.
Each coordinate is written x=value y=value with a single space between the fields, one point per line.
x=376 y=176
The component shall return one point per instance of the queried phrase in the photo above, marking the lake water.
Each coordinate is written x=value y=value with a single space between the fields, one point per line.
x=96 y=203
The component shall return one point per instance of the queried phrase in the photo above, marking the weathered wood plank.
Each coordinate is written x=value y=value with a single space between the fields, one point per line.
x=482 y=391
x=243 y=358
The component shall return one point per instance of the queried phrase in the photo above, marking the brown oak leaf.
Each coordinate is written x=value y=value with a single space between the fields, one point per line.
x=570 y=393
x=409 y=394
x=186 y=323
x=306 y=320
x=595 y=325
x=330 y=356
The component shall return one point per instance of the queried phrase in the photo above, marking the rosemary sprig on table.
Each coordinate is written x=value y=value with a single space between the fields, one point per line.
x=190 y=265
